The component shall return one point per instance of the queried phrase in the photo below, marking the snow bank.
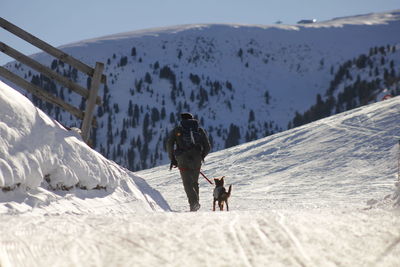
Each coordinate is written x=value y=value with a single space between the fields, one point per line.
x=37 y=153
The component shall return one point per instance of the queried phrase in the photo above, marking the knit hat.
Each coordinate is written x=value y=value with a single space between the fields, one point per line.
x=186 y=116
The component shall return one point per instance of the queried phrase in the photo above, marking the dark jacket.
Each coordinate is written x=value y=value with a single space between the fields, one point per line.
x=187 y=157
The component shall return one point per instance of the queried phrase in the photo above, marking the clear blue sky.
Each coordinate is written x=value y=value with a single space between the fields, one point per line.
x=66 y=21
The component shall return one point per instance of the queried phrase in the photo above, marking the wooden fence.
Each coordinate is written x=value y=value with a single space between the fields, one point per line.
x=90 y=94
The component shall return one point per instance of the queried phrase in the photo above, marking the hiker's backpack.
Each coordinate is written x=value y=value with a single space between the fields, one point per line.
x=191 y=135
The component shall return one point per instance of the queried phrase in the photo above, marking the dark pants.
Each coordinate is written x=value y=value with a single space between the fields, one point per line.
x=190 y=179
x=189 y=164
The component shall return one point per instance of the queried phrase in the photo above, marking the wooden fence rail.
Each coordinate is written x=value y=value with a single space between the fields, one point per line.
x=46 y=71
x=90 y=94
x=39 y=92
x=48 y=48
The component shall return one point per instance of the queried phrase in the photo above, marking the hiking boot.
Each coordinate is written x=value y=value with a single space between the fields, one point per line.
x=195 y=207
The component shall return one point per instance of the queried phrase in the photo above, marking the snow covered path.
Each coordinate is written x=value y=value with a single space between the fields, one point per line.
x=276 y=238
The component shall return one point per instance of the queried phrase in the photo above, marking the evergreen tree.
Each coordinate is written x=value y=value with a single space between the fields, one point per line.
x=54 y=64
x=123 y=61
x=123 y=136
x=130 y=109
x=172 y=118
x=163 y=113
x=240 y=53
x=267 y=97
x=194 y=78
x=136 y=113
x=133 y=52
x=229 y=85
x=146 y=128
x=233 y=136
x=131 y=158
x=251 y=116
x=155 y=115
x=147 y=78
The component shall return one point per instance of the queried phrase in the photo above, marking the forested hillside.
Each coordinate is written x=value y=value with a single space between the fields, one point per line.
x=242 y=82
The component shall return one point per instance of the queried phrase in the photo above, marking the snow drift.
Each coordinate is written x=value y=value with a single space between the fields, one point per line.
x=38 y=156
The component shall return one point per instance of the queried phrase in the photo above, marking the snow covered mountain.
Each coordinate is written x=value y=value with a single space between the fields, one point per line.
x=243 y=82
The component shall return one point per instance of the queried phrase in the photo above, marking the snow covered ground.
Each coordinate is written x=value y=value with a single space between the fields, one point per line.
x=319 y=195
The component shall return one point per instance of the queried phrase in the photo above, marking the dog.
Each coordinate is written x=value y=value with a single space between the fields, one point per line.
x=220 y=194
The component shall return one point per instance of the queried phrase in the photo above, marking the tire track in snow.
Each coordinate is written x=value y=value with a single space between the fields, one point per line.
x=239 y=245
x=304 y=260
x=388 y=250
x=5 y=261
x=114 y=235
x=275 y=238
x=268 y=239
x=16 y=247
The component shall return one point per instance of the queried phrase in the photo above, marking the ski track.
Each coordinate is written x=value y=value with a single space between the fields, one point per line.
x=238 y=238
x=299 y=255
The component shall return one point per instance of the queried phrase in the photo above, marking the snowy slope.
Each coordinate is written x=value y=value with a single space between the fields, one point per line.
x=39 y=159
x=346 y=159
x=317 y=195
x=251 y=79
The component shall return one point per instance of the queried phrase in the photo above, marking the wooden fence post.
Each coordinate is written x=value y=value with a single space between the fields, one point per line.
x=91 y=101
x=91 y=95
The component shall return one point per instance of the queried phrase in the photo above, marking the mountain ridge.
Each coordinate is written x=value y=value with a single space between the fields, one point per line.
x=369 y=18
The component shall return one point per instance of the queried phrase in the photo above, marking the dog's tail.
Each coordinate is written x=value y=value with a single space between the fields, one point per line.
x=229 y=191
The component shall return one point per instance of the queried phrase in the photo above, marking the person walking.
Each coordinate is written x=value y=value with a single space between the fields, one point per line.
x=187 y=146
